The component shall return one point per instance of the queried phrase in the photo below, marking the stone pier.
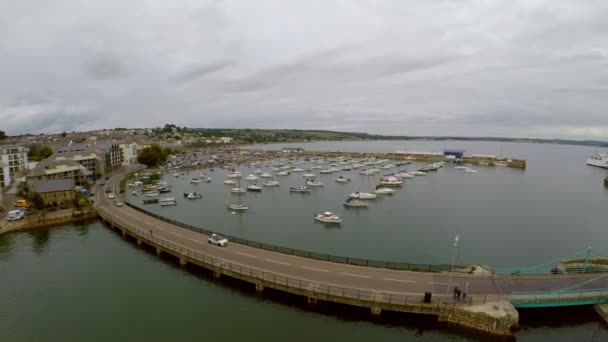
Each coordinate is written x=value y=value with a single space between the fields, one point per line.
x=497 y=318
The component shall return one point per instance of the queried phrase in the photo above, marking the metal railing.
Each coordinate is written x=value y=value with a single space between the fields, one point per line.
x=277 y=280
x=306 y=254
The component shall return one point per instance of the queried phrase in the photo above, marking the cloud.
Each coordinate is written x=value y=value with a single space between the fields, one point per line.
x=395 y=67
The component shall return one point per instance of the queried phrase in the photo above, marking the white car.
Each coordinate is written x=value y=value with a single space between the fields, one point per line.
x=118 y=204
x=218 y=240
x=111 y=195
x=15 y=215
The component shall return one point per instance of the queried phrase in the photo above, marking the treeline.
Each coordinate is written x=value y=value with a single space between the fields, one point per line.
x=154 y=155
x=38 y=152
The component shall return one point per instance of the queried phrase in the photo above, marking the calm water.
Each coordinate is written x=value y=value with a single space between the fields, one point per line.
x=504 y=216
x=85 y=283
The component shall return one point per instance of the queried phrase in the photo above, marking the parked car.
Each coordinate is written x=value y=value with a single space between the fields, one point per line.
x=15 y=215
x=22 y=204
x=218 y=240
x=111 y=196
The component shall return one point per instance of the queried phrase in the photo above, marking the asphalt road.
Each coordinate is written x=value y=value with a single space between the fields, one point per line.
x=345 y=275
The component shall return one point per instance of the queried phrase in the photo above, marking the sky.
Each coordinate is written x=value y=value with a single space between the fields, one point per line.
x=534 y=68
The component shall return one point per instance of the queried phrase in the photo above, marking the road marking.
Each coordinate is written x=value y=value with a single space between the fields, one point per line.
x=400 y=280
x=355 y=275
x=247 y=255
x=453 y=284
x=314 y=269
x=278 y=262
x=195 y=240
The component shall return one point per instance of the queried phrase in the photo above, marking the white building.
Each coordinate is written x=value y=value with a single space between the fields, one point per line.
x=15 y=157
x=224 y=140
x=5 y=176
x=129 y=154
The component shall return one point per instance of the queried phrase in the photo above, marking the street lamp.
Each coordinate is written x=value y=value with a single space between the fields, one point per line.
x=454 y=253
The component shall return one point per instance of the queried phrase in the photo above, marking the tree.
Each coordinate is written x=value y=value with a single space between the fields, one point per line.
x=34 y=151
x=46 y=152
x=2 y=135
x=153 y=156
x=64 y=134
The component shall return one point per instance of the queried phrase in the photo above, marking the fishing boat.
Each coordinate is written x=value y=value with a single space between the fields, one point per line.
x=167 y=201
x=328 y=217
x=312 y=182
x=301 y=188
x=351 y=202
x=254 y=188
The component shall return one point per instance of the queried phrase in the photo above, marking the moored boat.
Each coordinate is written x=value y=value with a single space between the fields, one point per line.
x=254 y=188
x=328 y=217
x=363 y=195
x=167 y=201
x=599 y=160
x=301 y=188
x=351 y=202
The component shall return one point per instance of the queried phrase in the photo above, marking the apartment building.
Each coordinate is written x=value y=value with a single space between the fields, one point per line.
x=5 y=176
x=110 y=155
x=51 y=169
x=15 y=157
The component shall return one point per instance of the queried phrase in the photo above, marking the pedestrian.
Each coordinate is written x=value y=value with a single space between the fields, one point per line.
x=455 y=292
x=458 y=294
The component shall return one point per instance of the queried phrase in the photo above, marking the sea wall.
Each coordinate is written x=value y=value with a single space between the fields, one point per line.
x=496 y=318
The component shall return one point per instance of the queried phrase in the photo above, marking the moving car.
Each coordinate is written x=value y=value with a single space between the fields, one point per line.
x=218 y=240
x=118 y=204
x=111 y=195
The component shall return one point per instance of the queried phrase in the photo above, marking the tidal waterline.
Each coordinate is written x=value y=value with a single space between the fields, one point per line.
x=76 y=283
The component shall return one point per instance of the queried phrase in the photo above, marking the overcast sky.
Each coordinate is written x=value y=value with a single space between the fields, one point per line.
x=473 y=68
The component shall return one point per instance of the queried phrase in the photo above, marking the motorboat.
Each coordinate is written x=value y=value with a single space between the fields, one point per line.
x=254 y=188
x=236 y=206
x=312 y=182
x=328 y=217
x=363 y=195
x=195 y=180
x=403 y=174
x=138 y=183
x=167 y=201
x=599 y=160
x=335 y=169
x=235 y=174
x=470 y=171
x=283 y=173
x=192 y=195
x=367 y=172
x=266 y=175
x=309 y=175
x=229 y=182
x=341 y=179
x=152 y=193
x=391 y=181
x=380 y=190
x=297 y=169
x=257 y=171
x=164 y=190
x=326 y=171
x=251 y=178
x=418 y=173
x=175 y=174
x=346 y=168
x=271 y=182
x=460 y=167
x=237 y=190
x=150 y=200
x=351 y=202
x=135 y=193
x=387 y=166
x=301 y=188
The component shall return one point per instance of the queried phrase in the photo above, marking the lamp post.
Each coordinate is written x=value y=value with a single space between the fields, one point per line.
x=454 y=253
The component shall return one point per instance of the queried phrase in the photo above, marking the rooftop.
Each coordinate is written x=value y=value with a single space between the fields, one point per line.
x=54 y=185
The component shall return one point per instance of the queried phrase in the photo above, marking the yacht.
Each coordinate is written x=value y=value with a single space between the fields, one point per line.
x=403 y=174
x=271 y=182
x=470 y=171
x=192 y=195
x=237 y=190
x=328 y=217
x=152 y=193
x=335 y=169
x=312 y=182
x=195 y=180
x=167 y=201
x=228 y=181
x=309 y=175
x=326 y=171
x=599 y=160
x=266 y=175
x=254 y=188
x=341 y=179
x=235 y=174
x=236 y=206
x=391 y=181
x=251 y=178
x=460 y=167
x=297 y=169
x=351 y=202
x=380 y=190
x=301 y=188
x=363 y=195
x=283 y=173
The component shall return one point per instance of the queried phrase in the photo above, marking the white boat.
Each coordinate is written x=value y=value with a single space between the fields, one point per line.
x=470 y=171
x=152 y=193
x=384 y=191
x=235 y=174
x=351 y=202
x=326 y=171
x=460 y=167
x=301 y=188
x=135 y=193
x=229 y=182
x=176 y=174
x=237 y=190
x=309 y=175
x=254 y=188
x=283 y=173
x=237 y=206
x=418 y=173
x=362 y=195
x=341 y=179
x=266 y=175
x=297 y=169
x=317 y=167
x=387 y=166
x=138 y=183
x=257 y=171
x=391 y=181
x=195 y=180
x=270 y=183
x=335 y=169
x=167 y=201
x=312 y=182
x=192 y=195
x=599 y=160
x=500 y=164
x=328 y=217
x=251 y=178
x=402 y=174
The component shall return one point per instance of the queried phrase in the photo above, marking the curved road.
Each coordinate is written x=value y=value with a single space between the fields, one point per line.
x=338 y=274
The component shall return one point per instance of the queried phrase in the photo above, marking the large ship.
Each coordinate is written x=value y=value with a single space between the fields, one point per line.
x=599 y=160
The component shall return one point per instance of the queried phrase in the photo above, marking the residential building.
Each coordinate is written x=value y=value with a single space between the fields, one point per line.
x=52 y=169
x=110 y=154
x=72 y=147
x=55 y=191
x=89 y=159
x=15 y=157
x=5 y=176
x=129 y=154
